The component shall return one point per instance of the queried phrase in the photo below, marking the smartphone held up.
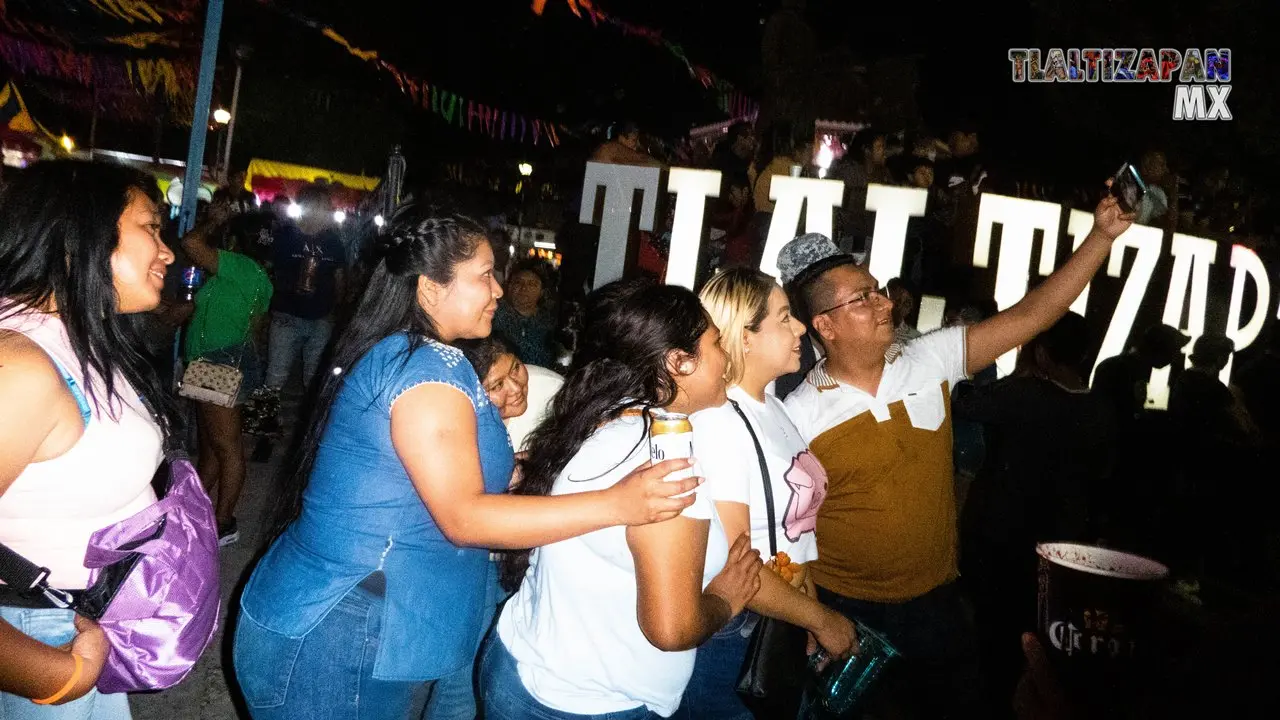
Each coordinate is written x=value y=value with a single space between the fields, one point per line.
x=1128 y=188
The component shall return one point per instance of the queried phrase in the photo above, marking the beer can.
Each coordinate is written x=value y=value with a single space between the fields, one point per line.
x=671 y=437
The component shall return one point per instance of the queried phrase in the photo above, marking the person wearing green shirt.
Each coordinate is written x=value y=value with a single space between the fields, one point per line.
x=228 y=314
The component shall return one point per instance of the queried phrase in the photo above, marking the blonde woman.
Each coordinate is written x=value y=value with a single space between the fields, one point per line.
x=762 y=342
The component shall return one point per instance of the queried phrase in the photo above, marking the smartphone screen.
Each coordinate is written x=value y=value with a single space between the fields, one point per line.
x=1128 y=188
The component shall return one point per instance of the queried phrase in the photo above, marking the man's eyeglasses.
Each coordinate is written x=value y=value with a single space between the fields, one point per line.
x=861 y=298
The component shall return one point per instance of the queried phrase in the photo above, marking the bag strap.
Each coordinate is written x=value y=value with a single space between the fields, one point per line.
x=764 y=475
x=30 y=579
x=82 y=403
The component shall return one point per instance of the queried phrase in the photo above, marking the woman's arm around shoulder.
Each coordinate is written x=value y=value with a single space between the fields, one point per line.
x=434 y=432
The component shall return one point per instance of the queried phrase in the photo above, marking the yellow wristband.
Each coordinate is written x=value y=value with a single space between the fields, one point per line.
x=75 y=677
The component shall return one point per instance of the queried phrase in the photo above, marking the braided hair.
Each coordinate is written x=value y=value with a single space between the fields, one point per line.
x=420 y=241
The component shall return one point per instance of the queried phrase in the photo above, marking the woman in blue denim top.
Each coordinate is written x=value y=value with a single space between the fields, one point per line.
x=375 y=584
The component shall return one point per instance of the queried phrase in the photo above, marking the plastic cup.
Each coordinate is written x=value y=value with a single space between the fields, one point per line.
x=843 y=687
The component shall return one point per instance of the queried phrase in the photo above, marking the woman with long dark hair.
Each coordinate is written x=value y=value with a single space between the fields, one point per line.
x=85 y=414
x=605 y=624
x=375 y=587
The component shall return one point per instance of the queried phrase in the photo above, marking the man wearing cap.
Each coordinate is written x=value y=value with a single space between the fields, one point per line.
x=878 y=416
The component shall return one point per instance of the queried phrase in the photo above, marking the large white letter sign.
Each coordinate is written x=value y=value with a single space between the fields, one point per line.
x=893 y=207
x=790 y=195
x=1020 y=219
x=1189 y=253
x=1247 y=265
x=1147 y=241
x=692 y=188
x=621 y=183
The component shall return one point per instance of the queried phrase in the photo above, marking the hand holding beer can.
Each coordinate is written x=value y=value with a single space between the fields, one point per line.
x=671 y=438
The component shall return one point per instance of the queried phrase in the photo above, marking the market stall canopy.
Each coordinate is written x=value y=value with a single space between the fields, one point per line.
x=23 y=138
x=268 y=178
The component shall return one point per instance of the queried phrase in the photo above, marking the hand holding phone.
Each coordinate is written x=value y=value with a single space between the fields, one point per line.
x=1128 y=188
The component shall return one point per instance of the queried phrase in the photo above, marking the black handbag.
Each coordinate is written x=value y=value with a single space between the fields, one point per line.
x=775 y=670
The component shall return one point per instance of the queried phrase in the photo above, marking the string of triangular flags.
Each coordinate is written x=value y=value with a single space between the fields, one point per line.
x=733 y=102
x=453 y=108
x=15 y=117
x=173 y=78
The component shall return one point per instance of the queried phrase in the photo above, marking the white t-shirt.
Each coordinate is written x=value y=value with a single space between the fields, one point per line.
x=543 y=386
x=727 y=459
x=572 y=625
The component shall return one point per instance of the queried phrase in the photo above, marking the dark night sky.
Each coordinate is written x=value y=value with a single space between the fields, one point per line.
x=559 y=66
x=307 y=100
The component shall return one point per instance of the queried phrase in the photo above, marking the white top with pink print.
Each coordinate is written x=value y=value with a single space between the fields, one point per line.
x=727 y=459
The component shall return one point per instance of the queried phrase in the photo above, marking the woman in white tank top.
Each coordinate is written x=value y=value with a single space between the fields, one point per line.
x=80 y=249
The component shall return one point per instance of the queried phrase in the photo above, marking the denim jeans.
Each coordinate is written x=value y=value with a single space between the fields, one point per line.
x=55 y=627
x=937 y=675
x=505 y=697
x=328 y=673
x=454 y=696
x=712 y=688
x=291 y=336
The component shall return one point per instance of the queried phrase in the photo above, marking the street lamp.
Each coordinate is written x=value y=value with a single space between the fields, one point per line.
x=525 y=171
x=243 y=53
x=222 y=116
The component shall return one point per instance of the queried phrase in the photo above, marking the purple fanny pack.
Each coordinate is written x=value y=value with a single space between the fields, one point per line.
x=153 y=585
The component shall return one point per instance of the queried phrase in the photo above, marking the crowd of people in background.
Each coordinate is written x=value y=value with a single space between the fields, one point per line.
x=469 y=521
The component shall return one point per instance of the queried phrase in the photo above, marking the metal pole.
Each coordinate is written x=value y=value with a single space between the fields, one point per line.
x=200 y=117
x=93 y=124
x=231 y=126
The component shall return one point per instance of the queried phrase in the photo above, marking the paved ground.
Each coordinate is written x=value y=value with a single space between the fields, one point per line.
x=204 y=695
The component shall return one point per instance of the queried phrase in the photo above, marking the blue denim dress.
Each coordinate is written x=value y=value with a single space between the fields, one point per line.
x=361 y=515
